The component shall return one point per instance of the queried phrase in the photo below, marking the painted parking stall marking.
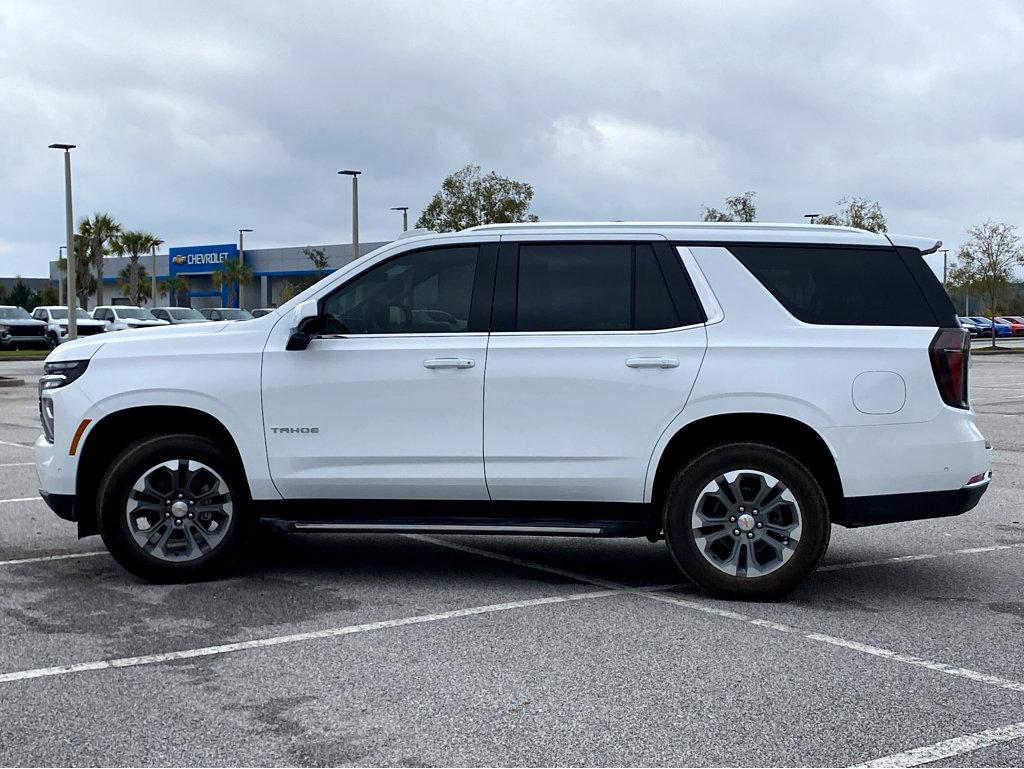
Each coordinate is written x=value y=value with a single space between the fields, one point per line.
x=44 y=558
x=952 y=748
x=262 y=643
x=21 y=499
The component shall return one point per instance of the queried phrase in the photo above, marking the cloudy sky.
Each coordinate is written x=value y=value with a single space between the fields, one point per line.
x=195 y=119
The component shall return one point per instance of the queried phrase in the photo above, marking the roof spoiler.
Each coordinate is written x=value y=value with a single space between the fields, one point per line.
x=924 y=245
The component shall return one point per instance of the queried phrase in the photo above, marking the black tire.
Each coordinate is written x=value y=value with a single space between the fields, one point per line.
x=112 y=500
x=51 y=338
x=691 y=480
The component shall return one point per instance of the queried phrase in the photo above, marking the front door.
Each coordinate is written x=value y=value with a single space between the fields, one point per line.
x=595 y=349
x=387 y=402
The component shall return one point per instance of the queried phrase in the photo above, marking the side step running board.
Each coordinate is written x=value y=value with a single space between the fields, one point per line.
x=493 y=527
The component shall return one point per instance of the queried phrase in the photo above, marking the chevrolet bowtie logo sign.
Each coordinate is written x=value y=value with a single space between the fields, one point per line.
x=200 y=259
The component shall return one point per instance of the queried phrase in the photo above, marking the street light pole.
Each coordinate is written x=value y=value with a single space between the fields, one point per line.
x=355 y=209
x=60 y=282
x=241 y=259
x=945 y=266
x=70 y=232
x=152 y=264
x=811 y=217
x=405 y=216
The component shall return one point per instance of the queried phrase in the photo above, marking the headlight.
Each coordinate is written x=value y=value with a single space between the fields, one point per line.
x=56 y=375
x=4 y=329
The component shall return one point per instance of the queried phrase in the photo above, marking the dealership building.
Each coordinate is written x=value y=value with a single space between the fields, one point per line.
x=274 y=270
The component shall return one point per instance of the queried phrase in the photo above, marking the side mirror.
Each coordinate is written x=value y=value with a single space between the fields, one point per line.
x=304 y=321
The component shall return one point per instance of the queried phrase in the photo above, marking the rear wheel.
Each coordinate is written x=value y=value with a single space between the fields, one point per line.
x=746 y=521
x=174 y=509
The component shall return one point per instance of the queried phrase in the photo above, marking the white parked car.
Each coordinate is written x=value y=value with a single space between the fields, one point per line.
x=118 y=317
x=225 y=313
x=56 y=319
x=735 y=389
x=178 y=315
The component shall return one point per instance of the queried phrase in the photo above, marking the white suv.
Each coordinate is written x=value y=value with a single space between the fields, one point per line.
x=733 y=389
x=56 y=320
x=119 y=317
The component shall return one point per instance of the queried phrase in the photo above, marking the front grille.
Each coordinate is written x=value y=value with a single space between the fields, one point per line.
x=89 y=330
x=33 y=330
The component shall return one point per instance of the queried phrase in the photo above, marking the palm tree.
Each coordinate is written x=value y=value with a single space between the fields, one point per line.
x=85 y=281
x=100 y=231
x=134 y=282
x=173 y=287
x=133 y=244
x=232 y=273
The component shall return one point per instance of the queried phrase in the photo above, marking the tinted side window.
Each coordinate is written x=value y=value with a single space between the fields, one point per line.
x=652 y=303
x=839 y=286
x=427 y=292
x=572 y=287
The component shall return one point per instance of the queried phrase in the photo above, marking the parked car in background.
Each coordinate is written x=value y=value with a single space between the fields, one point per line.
x=969 y=326
x=260 y=312
x=56 y=319
x=19 y=330
x=122 y=317
x=1015 y=322
x=178 y=315
x=988 y=328
x=226 y=313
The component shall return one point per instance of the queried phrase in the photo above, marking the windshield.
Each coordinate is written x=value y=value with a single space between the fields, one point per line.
x=61 y=313
x=135 y=313
x=236 y=315
x=186 y=313
x=14 y=313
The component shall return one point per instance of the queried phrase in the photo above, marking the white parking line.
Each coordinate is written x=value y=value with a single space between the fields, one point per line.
x=957 y=746
x=919 y=557
x=21 y=499
x=262 y=643
x=41 y=558
x=906 y=659
x=17 y=464
x=18 y=445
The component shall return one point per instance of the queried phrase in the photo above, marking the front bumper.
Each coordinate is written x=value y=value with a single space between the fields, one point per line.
x=893 y=508
x=24 y=341
x=61 y=504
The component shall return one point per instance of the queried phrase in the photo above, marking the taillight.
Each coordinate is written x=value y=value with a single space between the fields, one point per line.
x=948 y=353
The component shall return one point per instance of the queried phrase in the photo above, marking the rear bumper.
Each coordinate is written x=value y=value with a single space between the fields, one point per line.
x=893 y=508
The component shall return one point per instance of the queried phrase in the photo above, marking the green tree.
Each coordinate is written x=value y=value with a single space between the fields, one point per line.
x=134 y=282
x=21 y=295
x=468 y=199
x=133 y=244
x=287 y=291
x=861 y=213
x=739 y=208
x=232 y=273
x=173 y=287
x=100 y=232
x=49 y=295
x=3 y=294
x=318 y=259
x=986 y=261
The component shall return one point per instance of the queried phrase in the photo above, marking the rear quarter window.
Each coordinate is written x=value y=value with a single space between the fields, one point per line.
x=839 y=286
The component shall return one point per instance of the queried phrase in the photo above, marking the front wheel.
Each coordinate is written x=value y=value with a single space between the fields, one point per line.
x=175 y=509
x=746 y=521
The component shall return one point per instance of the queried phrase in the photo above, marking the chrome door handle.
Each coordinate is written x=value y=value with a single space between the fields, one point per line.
x=652 y=362
x=449 y=363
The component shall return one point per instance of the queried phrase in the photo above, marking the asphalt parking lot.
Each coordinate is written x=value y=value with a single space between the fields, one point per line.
x=394 y=650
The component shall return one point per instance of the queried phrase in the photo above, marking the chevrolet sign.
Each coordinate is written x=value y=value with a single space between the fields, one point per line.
x=200 y=259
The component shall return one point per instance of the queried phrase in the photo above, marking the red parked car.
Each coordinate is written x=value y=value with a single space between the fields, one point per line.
x=1015 y=322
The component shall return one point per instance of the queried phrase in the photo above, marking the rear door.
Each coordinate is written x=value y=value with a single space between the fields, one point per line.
x=594 y=349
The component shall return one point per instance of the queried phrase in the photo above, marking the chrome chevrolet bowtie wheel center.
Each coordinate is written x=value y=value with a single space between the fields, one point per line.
x=746 y=523
x=179 y=510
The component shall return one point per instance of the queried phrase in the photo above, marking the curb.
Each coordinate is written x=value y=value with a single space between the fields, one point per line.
x=10 y=381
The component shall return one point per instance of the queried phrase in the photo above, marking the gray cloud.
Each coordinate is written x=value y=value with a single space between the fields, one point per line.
x=194 y=119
